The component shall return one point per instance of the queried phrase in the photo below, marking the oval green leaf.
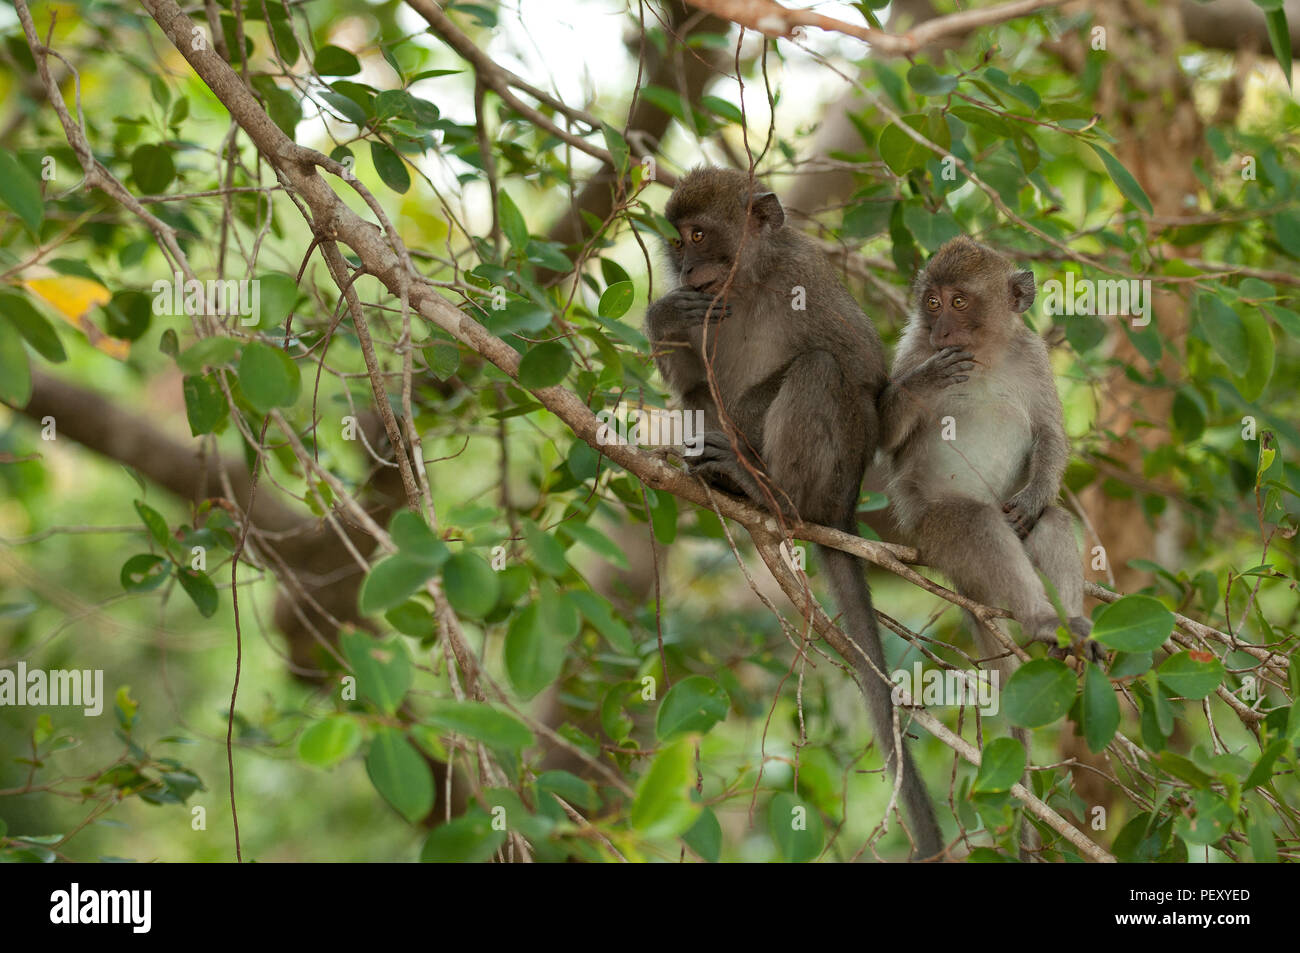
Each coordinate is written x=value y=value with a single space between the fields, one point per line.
x=694 y=704
x=328 y=742
x=1134 y=624
x=1038 y=693
x=1001 y=765
x=399 y=774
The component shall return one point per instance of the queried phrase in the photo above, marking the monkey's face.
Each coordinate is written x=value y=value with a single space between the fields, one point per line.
x=953 y=316
x=703 y=251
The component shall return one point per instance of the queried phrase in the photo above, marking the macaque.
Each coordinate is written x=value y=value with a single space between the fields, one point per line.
x=972 y=424
x=761 y=335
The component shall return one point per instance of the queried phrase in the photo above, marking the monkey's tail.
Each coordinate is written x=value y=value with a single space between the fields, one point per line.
x=853 y=597
x=1030 y=842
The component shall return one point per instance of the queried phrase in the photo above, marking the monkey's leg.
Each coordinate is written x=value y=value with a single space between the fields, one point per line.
x=1052 y=548
x=814 y=439
x=973 y=545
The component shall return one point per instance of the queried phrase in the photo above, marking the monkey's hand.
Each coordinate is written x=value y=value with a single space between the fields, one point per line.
x=948 y=366
x=681 y=309
x=1022 y=513
x=719 y=466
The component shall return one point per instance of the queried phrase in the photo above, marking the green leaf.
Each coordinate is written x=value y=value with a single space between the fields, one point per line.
x=1038 y=693
x=276 y=296
x=1134 y=624
x=1189 y=677
x=901 y=153
x=128 y=315
x=153 y=168
x=796 y=828
x=392 y=581
x=15 y=372
x=400 y=774
x=1121 y=176
x=411 y=618
x=392 y=170
x=382 y=669
x=720 y=107
x=205 y=405
x=329 y=741
x=512 y=221
x=1260 y=354
x=200 y=590
x=616 y=300
x=1262 y=772
x=1263 y=846
x=471 y=585
x=926 y=81
x=617 y=146
x=21 y=192
x=480 y=721
x=1210 y=819
x=534 y=650
x=705 y=836
x=33 y=326
x=695 y=704
x=155 y=523
x=1100 y=709
x=1001 y=765
x=597 y=541
x=663 y=515
x=1280 y=38
x=468 y=839
x=144 y=572
x=1184 y=769
x=546 y=549
x=209 y=352
x=1148 y=840
x=268 y=377
x=663 y=805
x=349 y=108
x=336 y=61
x=544 y=365
x=411 y=535
x=1223 y=329
x=598 y=612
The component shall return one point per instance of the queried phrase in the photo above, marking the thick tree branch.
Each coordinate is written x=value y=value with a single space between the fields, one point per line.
x=771 y=19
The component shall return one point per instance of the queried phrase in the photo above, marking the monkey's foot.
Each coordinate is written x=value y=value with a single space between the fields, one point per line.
x=1044 y=630
x=718 y=465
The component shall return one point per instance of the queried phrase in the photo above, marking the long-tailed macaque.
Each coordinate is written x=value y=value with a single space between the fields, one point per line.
x=762 y=336
x=972 y=423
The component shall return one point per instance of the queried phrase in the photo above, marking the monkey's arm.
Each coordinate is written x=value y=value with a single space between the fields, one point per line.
x=1047 y=460
x=905 y=399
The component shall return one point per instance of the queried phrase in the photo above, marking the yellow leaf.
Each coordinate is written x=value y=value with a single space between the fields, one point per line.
x=74 y=298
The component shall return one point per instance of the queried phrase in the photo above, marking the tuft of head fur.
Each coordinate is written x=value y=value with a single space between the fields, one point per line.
x=721 y=194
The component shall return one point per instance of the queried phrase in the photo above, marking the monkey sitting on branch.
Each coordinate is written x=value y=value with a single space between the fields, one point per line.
x=763 y=338
x=973 y=427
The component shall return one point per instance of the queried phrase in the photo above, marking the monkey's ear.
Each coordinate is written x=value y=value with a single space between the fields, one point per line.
x=1023 y=291
x=767 y=209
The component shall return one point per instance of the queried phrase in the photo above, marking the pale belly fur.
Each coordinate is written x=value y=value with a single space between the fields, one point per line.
x=990 y=441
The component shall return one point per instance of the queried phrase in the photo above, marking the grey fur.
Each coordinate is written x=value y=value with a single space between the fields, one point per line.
x=796 y=392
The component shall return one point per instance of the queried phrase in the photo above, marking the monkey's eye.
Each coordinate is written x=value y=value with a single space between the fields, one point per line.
x=675 y=242
x=932 y=302
x=959 y=302
x=697 y=235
